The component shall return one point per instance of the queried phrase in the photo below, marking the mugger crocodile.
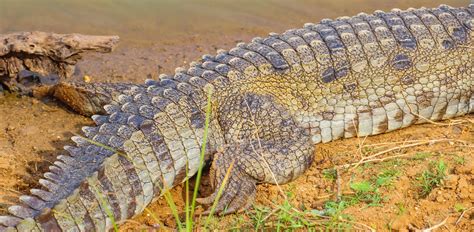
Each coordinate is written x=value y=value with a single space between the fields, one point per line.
x=273 y=99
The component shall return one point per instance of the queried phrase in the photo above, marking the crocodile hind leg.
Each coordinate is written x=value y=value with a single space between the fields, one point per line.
x=264 y=145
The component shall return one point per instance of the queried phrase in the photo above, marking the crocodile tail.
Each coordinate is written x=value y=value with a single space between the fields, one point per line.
x=150 y=135
x=90 y=187
x=69 y=175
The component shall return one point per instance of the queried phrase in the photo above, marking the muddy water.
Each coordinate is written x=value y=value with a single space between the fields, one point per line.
x=149 y=21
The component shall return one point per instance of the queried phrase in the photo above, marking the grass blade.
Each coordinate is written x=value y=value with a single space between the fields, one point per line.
x=219 y=193
x=203 y=151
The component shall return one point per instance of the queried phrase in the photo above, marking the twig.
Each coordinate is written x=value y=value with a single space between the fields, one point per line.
x=373 y=158
x=435 y=226
x=462 y=215
x=351 y=222
x=270 y=214
x=338 y=185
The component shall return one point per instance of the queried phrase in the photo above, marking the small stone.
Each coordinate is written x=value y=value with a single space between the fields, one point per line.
x=87 y=78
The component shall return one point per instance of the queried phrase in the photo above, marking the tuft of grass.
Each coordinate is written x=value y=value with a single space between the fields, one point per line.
x=422 y=155
x=367 y=192
x=258 y=216
x=330 y=174
x=334 y=210
x=459 y=159
x=285 y=216
x=401 y=209
x=386 y=177
x=290 y=220
x=237 y=221
x=432 y=177
x=459 y=207
x=282 y=217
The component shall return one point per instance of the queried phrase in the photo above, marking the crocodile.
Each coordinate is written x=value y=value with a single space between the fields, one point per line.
x=272 y=100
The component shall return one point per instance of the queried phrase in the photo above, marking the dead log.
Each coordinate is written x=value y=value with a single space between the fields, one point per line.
x=28 y=58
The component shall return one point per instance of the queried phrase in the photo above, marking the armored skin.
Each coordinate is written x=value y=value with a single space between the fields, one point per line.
x=272 y=99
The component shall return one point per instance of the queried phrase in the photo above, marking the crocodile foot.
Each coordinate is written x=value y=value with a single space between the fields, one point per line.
x=238 y=192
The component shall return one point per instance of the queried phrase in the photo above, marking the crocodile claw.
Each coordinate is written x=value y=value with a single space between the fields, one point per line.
x=238 y=193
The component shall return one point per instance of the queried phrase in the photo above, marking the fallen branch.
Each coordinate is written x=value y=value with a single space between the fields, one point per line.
x=25 y=57
x=374 y=157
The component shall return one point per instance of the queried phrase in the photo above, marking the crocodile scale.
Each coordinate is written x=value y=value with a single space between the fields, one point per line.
x=273 y=99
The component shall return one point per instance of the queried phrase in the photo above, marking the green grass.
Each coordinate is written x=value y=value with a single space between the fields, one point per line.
x=422 y=155
x=459 y=207
x=330 y=174
x=258 y=216
x=432 y=177
x=337 y=219
x=386 y=177
x=366 y=192
x=369 y=191
x=459 y=159
x=401 y=208
x=286 y=217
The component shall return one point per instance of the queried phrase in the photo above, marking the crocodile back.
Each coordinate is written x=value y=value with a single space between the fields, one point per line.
x=363 y=75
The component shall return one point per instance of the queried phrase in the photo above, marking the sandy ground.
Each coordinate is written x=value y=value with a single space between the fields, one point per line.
x=33 y=132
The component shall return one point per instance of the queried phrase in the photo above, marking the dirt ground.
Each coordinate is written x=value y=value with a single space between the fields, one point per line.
x=33 y=132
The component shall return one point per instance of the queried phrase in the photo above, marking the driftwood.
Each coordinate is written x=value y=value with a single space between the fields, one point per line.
x=29 y=59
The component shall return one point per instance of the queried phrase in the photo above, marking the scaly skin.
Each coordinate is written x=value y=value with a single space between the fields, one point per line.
x=273 y=99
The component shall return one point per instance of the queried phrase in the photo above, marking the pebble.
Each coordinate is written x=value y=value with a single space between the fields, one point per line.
x=87 y=78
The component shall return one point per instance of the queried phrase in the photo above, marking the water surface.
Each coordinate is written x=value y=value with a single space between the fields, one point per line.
x=145 y=21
